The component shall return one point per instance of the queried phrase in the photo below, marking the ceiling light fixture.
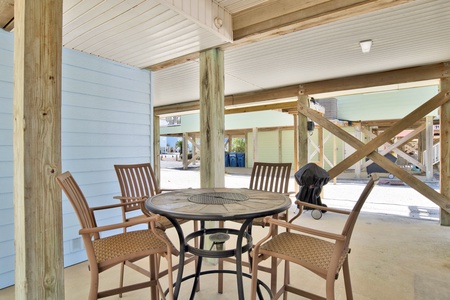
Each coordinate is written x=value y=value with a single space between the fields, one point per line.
x=366 y=45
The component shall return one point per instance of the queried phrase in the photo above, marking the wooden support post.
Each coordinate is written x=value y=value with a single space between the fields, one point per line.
x=320 y=144
x=212 y=126
x=335 y=149
x=212 y=119
x=429 y=147
x=445 y=152
x=156 y=150
x=39 y=272
x=302 y=131
x=280 y=145
x=358 y=163
x=184 y=150
x=421 y=146
x=246 y=149
x=296 y=167
x=255 y=144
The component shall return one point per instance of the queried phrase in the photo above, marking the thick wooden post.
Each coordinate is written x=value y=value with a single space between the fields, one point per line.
x=157 y=149
x=295 y=166
x=429 y=147
x=185 y=150
x=255 y=144
x=302 y=131
x=212 y=119
x=445 y=152
x=280 y=145
x=37 y=149
x=358 y=163
x=320 y=144
x=212 y=126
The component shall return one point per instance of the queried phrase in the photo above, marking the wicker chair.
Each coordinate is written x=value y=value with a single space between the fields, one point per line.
x=106 y=252
x=137 y=181
x=271 y=177
x=321 y=252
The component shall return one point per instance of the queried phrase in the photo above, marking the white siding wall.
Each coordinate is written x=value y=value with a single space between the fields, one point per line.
x=106 y=120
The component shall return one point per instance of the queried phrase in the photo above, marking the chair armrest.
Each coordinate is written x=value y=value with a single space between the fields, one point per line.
x=130 y=198
x=98 y=229
x=335 y=210
x=321 y=233
x=92 y=209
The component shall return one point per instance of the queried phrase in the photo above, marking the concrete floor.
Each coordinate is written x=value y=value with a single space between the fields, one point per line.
x=399 y=250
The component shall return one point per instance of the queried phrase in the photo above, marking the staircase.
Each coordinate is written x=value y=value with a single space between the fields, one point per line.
x=436 y=153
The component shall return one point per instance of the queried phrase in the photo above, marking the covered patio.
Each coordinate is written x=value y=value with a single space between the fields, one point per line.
x=126 y=64
x=394 y=255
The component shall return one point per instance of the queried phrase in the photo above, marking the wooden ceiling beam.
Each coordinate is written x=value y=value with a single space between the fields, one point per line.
x=279 y=17
x=414 y=74
x=274 y=106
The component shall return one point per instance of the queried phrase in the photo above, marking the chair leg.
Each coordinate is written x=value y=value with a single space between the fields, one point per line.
x=254 y=283
x=347 y=281
x=93 y=290
x=220 y=267
x=273 y=274
x=170 y=276
x=287 y=279
x=196 y=259
x=122 y=270
x=153 y=276
x=330 y=286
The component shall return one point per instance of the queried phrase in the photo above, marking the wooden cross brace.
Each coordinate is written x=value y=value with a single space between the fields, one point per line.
x=369 y=149
x=393 y=147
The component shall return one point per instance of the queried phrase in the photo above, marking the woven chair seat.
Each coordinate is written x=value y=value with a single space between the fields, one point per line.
x=165 y=223
x=256 y=221
x=123 y=244
x=162 y=223
x=260 y=221
x=304 y=250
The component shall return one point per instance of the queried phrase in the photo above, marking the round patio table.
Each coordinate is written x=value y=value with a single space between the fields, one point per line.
x=217 y=204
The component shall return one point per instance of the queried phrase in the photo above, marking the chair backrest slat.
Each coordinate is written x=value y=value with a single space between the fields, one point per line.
x=272 y=177
x=77 y=199
x=351 y=220
x=136 y=180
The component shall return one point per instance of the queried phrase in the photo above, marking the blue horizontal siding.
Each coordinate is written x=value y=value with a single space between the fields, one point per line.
x=7 y=254
x=106 y=120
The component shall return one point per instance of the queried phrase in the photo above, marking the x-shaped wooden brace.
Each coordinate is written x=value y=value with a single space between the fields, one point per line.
x=393 y=147
x=369 y=149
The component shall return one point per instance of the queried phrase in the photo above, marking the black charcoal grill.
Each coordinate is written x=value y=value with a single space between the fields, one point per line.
x=311 y=178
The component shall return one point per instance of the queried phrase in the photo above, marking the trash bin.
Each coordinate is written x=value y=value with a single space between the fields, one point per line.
x=227 y=159
x=240 y=159
x=233 y=159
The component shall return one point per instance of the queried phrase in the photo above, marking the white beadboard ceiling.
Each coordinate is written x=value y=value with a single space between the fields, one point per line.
x=143 y=33
x=412 y=34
